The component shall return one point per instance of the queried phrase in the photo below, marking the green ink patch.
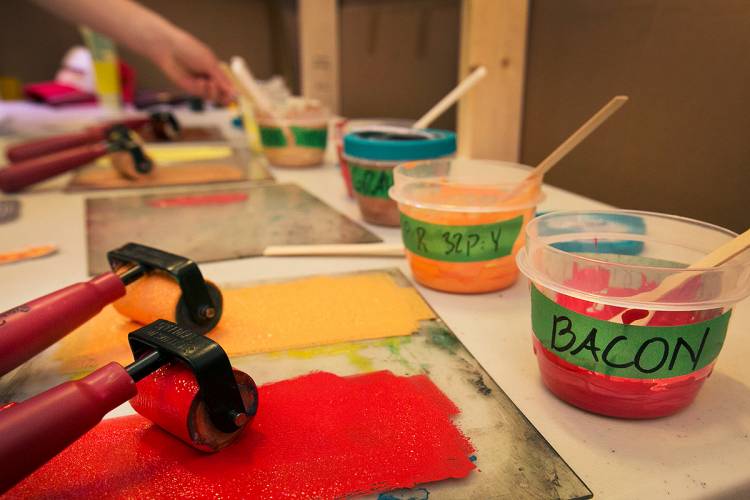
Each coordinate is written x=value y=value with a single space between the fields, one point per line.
x=460 y=243
x=630 y=351
x=440 y=336
x=372 y=182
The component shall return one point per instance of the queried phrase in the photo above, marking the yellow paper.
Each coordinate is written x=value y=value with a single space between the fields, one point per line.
x=180 y=154
x=272 y=317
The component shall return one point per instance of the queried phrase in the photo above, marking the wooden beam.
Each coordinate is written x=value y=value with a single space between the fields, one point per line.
x=319 y=51
x=493 y=34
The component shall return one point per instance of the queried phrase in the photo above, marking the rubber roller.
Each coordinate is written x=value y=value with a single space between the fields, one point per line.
x=170 y=398
x=150 y=283
x=163 y=125
x=180 y=380
x=123 y=146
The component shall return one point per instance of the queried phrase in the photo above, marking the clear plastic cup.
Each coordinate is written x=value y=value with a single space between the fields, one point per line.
x=344 y=126
x=295 y=141
x=624 y=335
x=462 y=221
x=372 y=153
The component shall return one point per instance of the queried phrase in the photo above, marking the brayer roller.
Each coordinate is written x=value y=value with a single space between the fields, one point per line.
x=163 y=124
x=187 y=386
x=178 y=293
x=123 y=146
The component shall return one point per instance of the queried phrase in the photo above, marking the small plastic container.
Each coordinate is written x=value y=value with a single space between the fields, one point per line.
x=344 y=126
x=371 y=154
x=295 y=141
x=651 y=360
x=462 y=221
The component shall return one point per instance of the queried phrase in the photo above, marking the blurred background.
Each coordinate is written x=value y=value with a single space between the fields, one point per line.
x=679 y=146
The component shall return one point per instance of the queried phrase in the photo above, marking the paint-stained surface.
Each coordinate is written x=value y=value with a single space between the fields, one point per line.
x=279 y=214
x=307 y=312
x=9 y=210
x=513 y=460
x=175 y=166
x=316 y=436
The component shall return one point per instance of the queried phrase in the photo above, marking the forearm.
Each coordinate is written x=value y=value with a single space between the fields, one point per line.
x=127 y=22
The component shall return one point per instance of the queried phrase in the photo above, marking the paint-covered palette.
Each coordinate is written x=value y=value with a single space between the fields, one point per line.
x=178 y=165
x=216 y=225
x=512 y=459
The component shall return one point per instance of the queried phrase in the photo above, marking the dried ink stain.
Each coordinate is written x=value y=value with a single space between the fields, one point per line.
x=481 y=386
x=415 y=494
x=440 y=336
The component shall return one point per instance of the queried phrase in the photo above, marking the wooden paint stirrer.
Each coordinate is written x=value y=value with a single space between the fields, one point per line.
x=451 y=98
x=714 y=259
x=569 y=144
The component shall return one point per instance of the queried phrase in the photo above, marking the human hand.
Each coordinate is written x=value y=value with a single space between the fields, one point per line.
x=192 y=66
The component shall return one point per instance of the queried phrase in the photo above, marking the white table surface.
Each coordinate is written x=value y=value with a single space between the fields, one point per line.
x=702 y=452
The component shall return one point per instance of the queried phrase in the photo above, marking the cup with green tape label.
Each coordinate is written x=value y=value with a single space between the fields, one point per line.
x=459 y=229
x=294 y=142
x=631 y=336
x=371 y=153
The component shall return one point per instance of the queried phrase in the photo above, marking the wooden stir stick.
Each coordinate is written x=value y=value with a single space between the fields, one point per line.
x=569 y=144
x=716 y=258
x=452 y=96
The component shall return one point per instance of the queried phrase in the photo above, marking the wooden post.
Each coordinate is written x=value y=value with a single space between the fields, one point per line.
x=493 y=34
x=319 y=51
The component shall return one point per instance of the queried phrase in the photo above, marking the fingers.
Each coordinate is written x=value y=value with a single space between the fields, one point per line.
x=195 y=68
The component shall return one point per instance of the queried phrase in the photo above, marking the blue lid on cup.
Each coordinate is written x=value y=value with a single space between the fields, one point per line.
x=388 y=143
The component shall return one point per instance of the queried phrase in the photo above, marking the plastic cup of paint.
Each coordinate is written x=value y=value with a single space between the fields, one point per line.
x=344 y=126
x=371 y=154
x=462 y=221
x=652 y=360
x=295 y=141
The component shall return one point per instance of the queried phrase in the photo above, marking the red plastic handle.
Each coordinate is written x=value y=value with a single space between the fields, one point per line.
x=49 y=145
x=134 y=123
x=30 y=328
x=41 y=427
x=18 y=176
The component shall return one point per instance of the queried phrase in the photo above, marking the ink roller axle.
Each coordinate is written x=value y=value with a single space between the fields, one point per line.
x=122 y=146
x=187 y=387
x=162 y=124
x=159 y=285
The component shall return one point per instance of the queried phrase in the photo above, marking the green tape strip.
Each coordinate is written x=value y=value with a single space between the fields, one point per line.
x=373 y=182
x=460 y=243
x=310 y=137
x=642 y=352
x=273 y=137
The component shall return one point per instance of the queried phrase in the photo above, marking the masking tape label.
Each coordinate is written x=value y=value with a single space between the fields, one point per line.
x=631 y=351
x=460 y=243
x=373 y=182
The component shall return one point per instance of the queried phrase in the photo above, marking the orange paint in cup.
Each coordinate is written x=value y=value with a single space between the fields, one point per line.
x=460 y=229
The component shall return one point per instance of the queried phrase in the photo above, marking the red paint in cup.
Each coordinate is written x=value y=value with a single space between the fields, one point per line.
x=586 y=268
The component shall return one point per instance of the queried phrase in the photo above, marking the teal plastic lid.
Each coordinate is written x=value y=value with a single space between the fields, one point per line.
x=388 y=143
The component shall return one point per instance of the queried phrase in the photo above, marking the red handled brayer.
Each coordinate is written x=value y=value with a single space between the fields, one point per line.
x=127 y=156
x=172 y=288
x=162 y=124
x=215 y=401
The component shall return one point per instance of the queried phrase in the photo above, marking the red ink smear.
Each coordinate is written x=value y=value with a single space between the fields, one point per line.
x=198 y=200
x=316 y=436
x=620 y=396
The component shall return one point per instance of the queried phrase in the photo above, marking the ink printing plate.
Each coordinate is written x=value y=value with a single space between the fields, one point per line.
x=511 y=458
x=218 y=224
